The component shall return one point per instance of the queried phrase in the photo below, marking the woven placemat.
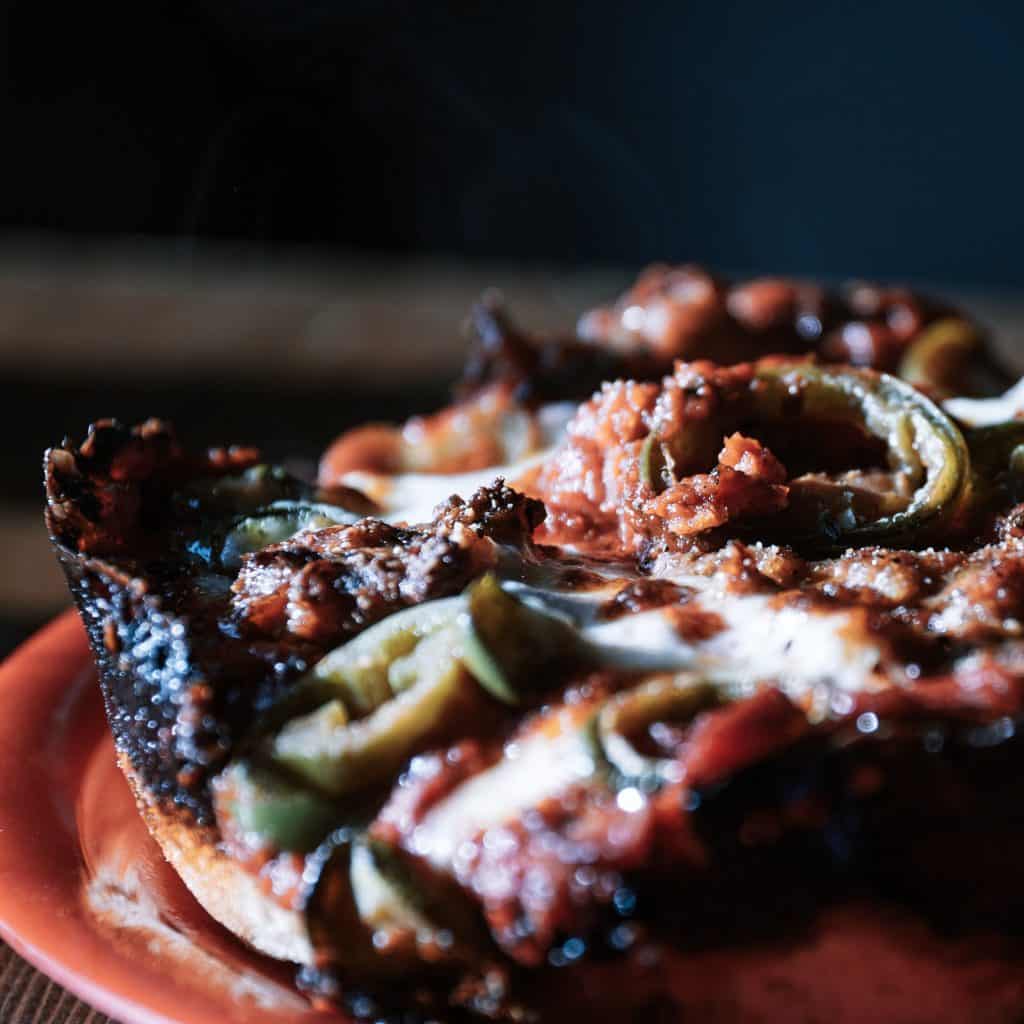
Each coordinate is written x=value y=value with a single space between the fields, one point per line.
x=29 y=997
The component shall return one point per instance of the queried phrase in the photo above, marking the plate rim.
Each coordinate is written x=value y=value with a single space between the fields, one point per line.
x=70 y=951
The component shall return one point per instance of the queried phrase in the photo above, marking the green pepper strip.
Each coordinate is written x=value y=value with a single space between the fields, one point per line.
x=358 y=890
x=363 y=673
x=676 y=698
x=270 y=808
x=277 y=522
x=351 y=889
x=655 y=467
x=509 y=646
x=938 y=358
x=997 y=459
x=341 y=716
x=409 y=895
x=921 y=441
x=337 y=932
x=340 y=756
x=371 y=704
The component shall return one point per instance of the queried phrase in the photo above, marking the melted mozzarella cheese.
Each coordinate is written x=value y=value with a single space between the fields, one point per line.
x=802 y=649
x=532 y=770
x=808 y=653
x=412 y=497
x=987 y=412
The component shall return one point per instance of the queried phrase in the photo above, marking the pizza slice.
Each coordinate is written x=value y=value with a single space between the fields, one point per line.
x=547 y=685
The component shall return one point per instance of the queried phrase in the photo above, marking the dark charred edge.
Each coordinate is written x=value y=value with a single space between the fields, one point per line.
x=115 y=609
x=174 y=702
x=74 y=497
x=109 y=493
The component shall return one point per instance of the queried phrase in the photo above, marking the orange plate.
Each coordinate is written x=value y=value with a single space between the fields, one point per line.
x=85 y=894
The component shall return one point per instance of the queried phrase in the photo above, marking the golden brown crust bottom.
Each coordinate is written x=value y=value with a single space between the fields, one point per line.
x=227 y=891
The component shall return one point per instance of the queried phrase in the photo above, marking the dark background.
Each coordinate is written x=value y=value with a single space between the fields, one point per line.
x=878 y=139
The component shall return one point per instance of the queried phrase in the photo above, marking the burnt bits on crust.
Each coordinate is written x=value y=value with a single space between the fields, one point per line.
x=112 y=492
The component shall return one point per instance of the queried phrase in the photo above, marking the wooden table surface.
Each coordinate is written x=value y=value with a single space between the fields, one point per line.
x=90 y=332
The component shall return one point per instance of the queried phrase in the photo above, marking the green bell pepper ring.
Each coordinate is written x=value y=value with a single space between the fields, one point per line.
x=921 y=441
x=627 y=715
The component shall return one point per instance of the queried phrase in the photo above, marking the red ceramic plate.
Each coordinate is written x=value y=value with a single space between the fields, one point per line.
x=85 y=894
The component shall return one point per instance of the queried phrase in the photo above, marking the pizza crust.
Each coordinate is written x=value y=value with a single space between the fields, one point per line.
x=225 y=889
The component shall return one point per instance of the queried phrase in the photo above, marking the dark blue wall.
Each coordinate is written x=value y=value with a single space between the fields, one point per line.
x=858 y=138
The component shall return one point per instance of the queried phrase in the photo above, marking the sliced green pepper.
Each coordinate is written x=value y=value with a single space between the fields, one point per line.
x=271 y=809
x=626 y=716
x=362 y=672
x=924 y=448
x=339 y=756
x=396 y=892
x=507 y=645
x=666 y=459
x=500 y=639
x=921 y=442
x=995 y=449
x=337 y=932
x=244 y=512
x=277 y=522
x=938 y=358
x=657 y=467
x=243 y=492
x=367 y=914
x=413 y=679
x=997 y=458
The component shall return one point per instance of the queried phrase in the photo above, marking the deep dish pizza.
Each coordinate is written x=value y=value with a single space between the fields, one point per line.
x=663 y=637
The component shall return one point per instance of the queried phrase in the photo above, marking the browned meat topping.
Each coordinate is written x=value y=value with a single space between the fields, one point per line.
x=982 y=599
x=332 y=587
x=329 y=584
x=882 y=577
x=497 y=512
